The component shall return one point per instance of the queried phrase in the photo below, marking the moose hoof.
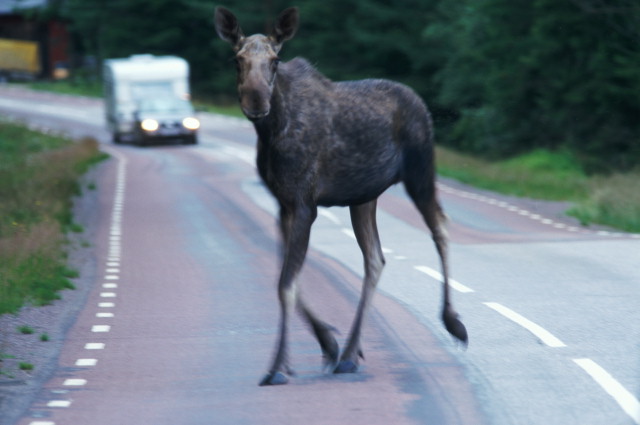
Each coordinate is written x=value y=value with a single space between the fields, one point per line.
x=346 y=366
x=274 y=378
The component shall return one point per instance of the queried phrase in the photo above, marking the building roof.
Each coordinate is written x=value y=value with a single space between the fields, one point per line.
x=9 y=6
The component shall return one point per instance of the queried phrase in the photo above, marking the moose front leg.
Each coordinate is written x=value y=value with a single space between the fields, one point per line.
x=363 y=219
x=295 y=224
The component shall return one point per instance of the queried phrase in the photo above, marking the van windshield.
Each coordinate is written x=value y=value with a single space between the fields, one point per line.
x=155 y=89
x=165 y=105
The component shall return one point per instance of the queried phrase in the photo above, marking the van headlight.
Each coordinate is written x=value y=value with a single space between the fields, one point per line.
x=149 y=124
x=191 y=123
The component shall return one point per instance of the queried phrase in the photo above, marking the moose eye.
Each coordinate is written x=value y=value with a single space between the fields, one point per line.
x=274 y=64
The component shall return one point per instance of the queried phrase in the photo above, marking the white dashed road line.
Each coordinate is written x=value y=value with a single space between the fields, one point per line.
x=94 y=346
x=438 y=276
x=59 y=403
x=74 y=382
x=517 y=210
x=112 y=274
x=542 y=334
x=627 y=401
x=629 y=404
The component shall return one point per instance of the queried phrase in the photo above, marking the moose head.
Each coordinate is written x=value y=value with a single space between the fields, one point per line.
x=256 y=58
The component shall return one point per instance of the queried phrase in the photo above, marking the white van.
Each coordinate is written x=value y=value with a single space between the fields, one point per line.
x=147 y=98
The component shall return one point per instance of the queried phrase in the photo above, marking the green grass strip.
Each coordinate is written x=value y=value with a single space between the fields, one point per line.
x=39 y=176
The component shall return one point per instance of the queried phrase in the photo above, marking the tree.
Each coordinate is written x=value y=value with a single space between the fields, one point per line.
x=500 y=76
x=543 y=73
x=120 y=28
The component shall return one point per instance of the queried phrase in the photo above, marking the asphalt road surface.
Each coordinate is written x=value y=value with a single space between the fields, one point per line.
x=180 y=324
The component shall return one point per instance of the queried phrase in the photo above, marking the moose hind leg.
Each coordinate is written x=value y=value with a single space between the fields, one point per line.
x=296 y=227
x=363 y=219
x=436 y=220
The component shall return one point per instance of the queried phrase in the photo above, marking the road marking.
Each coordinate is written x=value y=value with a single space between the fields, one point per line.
x=59 y=403
x=42 y=423
x=438 y=276
x=541 y=333
x=86 y=362
x=620 y=394
x=74 y=382
x=537 y=217
x=112 y=273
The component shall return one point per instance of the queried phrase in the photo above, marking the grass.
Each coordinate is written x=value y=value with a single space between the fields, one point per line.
x=27 y=367
x=38 y=178
x=25 y=330
x=232 y=110
x=541 y=174
x=78 y=87
x=611 y=200
x=84 y=87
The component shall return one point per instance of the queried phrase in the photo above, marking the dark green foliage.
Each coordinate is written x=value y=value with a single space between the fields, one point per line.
x=501 y=76
x=545 y=73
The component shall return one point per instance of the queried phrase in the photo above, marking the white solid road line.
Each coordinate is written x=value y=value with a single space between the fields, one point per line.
x=624 y=398
x=541 y=333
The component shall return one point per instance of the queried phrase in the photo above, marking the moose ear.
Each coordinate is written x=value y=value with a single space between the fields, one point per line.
x=286 y=25
x=227 y=26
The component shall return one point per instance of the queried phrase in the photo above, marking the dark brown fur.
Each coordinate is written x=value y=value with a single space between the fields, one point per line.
x=322 y=143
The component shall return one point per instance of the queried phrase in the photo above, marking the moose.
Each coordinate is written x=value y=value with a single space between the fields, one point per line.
x=325 y=143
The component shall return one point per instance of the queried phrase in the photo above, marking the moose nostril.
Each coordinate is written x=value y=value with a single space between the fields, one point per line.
x=254 y=103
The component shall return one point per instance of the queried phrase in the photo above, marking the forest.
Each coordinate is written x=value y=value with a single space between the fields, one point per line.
x=501 y=77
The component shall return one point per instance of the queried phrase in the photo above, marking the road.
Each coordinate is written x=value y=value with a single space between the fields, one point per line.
x=179 y=326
